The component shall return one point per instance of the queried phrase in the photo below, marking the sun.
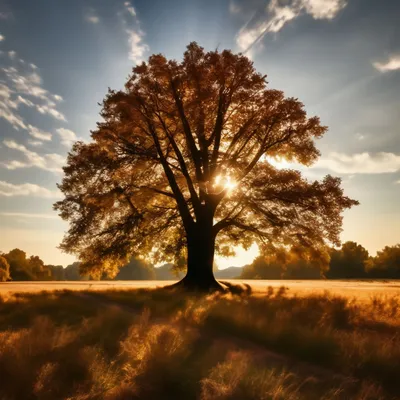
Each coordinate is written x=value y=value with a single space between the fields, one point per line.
x=225 y=183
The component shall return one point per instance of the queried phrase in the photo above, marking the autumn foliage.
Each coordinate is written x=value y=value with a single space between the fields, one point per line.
x=180 y=168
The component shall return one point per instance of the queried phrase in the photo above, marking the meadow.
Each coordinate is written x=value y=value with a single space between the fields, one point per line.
x=154 y=343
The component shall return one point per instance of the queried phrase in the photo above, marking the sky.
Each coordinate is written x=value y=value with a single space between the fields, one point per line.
x=341 y=58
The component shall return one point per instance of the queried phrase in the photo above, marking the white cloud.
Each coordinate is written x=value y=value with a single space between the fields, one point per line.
x=277 y=15
x=26 y=189
x=49 y=109
x=1 y=38
x=25 y=88
x=67 y=136
x=49 y=162
x=93 y=19
x=91 y=16
x=392 y=64
x=323 y=9
x=8 y=107
x=38 y=133
x=131 y=10
x=137 y=47
x=7 y=111
x=12 y=54
x=361 y=163
x=35 y=143
x=27 y=102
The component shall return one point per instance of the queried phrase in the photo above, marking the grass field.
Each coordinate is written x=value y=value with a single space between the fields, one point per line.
x=363 y=290
x=148 y=343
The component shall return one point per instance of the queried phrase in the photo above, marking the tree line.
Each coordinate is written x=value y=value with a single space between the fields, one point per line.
x=16 y=266
x=351 y=261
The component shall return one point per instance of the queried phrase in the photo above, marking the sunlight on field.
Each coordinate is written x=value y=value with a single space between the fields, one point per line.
x=156 y=344
x=360 y=289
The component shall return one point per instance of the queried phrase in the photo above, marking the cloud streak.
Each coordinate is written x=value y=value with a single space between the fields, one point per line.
x=137 y=45
x=360 y=163
x=92 y=17
x=392 y=64
x=30 y=84
x=130 y=8
x=49 y=162
x=278 y=13
x=27 y=189
x=68 y=137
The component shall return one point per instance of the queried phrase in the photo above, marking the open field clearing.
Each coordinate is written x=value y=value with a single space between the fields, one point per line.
x=162 y=344
x=360 y=289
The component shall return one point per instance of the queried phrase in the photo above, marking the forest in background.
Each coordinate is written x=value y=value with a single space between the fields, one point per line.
x=351 y=261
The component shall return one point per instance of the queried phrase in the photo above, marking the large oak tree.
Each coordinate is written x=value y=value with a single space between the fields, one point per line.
x=180 y=168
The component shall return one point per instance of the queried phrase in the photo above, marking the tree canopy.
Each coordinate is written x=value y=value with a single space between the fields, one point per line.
x=180 y=167
x=4 y=269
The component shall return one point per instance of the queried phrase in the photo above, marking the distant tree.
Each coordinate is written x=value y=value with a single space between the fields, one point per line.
x=261 y=268
x=386 y=263
x=56 y=272
x=19 y=265
x=349 y=262
x=288 y=263
x=40 y=271
x=180 y=167
x=72 y=272
x=136 y=270
x=4 y=270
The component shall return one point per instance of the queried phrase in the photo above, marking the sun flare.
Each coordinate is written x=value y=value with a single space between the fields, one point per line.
x=225 y=183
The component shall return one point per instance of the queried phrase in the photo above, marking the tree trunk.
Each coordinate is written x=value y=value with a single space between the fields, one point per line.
x=200 y=260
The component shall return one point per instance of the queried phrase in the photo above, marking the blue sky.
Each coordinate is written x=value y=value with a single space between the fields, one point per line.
x=58 y=57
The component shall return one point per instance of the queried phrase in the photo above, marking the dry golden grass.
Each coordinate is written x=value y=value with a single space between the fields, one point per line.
x=157 y=344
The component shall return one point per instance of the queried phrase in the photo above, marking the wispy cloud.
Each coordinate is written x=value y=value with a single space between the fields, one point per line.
x=50 y=162
x=38 y=133
x=8 y=111
x=2 y=38
x=27 y=189
x=67 y=136
x=92 y=17
x=346 y=164
x=24 y=88
x=137 y=45
x=29 y=83
x=278 y=13
x=391 y=64
x=130 y=8
x=35 y=143
x=360 y=163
